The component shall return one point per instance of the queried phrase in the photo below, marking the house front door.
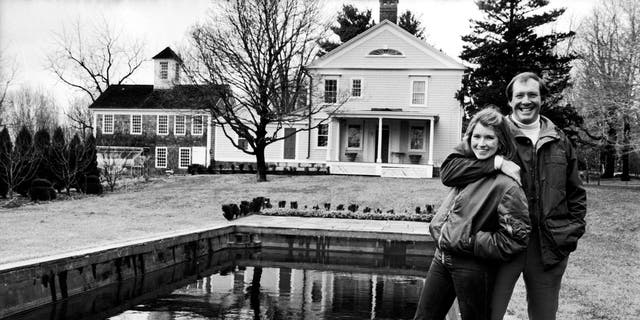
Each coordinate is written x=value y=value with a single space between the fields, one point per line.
x=289 y=144
x=385 y=144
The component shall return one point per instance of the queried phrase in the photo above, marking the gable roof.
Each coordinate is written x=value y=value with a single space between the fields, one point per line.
x=145 y=97
x=388 y=25
x=167 y=53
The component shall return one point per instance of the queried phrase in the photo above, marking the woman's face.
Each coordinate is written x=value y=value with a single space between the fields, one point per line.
x=484 y=142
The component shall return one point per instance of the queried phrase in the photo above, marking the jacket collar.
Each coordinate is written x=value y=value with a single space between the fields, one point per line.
x=548 y=131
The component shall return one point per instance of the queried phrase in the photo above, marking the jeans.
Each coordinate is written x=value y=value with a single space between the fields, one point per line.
x=543 y=286
x=450 y=276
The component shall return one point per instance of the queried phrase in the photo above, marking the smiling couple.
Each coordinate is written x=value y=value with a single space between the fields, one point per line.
x=516 y=206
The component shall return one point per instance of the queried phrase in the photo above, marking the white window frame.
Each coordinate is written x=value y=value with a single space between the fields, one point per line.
x=424 y=136
x=166 y=157
x=180 y=166
x=104 y=123
x=199 y=132
x=318 y=135
x=351 y=89
x=158 y=125
x=426 y=90
x=164 y=70
x=175 y=125
x=324 y=89
x=361 y=136
x=131 y=124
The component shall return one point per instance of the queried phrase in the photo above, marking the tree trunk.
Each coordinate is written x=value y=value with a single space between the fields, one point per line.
x=261 y=165
x=254 y=299
x=626 y=150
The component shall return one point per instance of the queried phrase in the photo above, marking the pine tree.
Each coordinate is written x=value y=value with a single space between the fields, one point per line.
x=506 y=43
x=6 y=148
x=92 y=156
x=42 y=150
x=22 y=161
x=57 y=158
x=411 y=24
x=351 y=22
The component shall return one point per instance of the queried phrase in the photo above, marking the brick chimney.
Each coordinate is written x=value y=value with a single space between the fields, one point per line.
x=389 y=10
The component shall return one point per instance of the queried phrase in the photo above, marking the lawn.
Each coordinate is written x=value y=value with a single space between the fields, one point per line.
x=600 y=282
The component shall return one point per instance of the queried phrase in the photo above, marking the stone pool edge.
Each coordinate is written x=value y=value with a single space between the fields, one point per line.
x=44 y=280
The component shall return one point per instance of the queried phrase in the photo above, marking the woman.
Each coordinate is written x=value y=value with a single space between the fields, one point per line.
x=476 y=228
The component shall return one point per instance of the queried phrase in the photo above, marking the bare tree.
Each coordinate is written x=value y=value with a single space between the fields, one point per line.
x=80 y=116
x=30 y=107
x=68 y=160
x=17 y=162
x=8 y=70
x=114 y=163
x=90 y=62
x=258 y=49
x=608 y=81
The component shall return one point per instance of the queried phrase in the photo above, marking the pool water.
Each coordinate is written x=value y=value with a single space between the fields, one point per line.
x=285 y=293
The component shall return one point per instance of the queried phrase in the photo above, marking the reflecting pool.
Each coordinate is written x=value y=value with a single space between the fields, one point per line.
x=297 y=277
x=285 y=293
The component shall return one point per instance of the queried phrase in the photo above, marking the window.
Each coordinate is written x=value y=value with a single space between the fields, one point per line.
x=354 y=136
x=416 y=135
x=330 y=91
x=418 y=92
x=164 y=70
x=136 y=124
x=163 y=124
x=185 y=158
x=356 y=88
x=161 y=157
x=179 y=126
x=323 y=135
x=385 y=52
x=197 y=125
x=243 y=144
x=107 y=124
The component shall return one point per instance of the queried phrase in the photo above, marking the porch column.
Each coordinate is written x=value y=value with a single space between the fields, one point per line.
x=431 y=124
x=95 y=124
x=379 y=156
x=207 y=157
x=333 y=141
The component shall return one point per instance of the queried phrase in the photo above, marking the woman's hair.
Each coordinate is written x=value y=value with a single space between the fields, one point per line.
x=490 y=117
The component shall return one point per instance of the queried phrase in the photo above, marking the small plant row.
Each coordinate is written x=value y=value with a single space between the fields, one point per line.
x=371 y=215
x=233 y=211
x=250 y=168
x=262 y=205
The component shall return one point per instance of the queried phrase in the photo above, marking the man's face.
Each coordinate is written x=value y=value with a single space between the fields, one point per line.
x=525 y=101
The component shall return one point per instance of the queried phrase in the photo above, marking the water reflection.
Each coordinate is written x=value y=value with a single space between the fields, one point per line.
x=284 y=293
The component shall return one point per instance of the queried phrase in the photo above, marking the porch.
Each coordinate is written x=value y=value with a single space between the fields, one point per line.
x=381 y=142
x=392 y=170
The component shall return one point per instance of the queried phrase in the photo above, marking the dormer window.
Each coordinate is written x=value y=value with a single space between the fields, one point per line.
x=385 y=52
x=164 y=70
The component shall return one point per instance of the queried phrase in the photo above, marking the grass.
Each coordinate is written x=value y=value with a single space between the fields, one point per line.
x=600 y=281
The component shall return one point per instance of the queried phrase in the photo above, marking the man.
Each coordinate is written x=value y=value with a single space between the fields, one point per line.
x=548 y=172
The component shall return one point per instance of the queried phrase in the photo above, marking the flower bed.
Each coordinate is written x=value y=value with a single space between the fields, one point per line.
x=400 y=216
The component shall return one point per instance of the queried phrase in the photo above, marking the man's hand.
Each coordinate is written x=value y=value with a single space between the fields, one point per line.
x=511 y=169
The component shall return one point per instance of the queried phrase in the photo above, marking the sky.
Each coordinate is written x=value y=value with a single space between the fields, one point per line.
x=27 y=28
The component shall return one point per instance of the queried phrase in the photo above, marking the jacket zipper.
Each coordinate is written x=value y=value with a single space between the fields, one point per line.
x=446 y=219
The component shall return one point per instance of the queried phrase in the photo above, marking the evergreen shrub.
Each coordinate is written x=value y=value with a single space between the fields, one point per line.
x=41 y=190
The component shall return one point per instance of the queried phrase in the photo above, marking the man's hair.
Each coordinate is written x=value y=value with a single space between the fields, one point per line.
x=524 y=77
x=491 y=118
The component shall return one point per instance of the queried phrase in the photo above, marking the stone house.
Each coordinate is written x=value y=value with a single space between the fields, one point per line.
x=159 y=122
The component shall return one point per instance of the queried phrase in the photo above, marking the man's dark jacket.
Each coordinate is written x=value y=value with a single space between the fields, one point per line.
x=549 y=172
